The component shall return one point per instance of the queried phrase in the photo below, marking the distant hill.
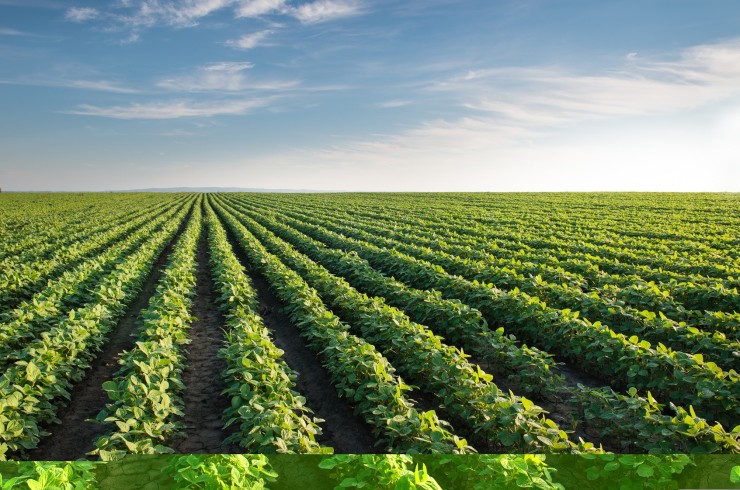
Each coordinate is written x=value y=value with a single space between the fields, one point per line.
x=217 y=189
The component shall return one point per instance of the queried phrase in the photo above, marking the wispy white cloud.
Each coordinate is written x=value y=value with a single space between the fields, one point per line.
x=229 y=66
x=255 y=8
x=81 y=14
x=180 y=13
x=391 y=104
x=462 y=137
x=551 y=96
x=175 y=109
x=186 y=13
x=223 y=77
x=323 y=10
x=5 y=31
x=249 y=41
x=100 y=85
x=132 y=37
x=96 y=85
x=139 y=14
x=538 y=117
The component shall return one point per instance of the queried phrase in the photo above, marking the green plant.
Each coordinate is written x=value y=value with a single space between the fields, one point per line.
x=145 y=397
x=628 y=471
x=220 y=472
x=77 y=475
x=272 y=416
x=360 y=374
x=382 y=472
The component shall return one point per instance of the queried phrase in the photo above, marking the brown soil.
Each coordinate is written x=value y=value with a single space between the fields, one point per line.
x=573 y=376
x=203 y=399
x=342 y=430
x=75 y=436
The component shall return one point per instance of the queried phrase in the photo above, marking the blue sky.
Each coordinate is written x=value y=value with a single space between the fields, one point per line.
x=474 y=95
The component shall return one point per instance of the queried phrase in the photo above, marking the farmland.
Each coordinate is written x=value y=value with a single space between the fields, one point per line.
x=361 y=323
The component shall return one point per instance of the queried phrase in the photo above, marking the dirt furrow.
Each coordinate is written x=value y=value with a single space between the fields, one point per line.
x=203 y=399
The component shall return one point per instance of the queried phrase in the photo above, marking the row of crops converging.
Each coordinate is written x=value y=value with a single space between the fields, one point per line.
x=368 y=323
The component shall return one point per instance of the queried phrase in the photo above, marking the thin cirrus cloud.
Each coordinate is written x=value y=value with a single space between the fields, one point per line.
x=135 y=16
x=256 y=8
x=392 y=104
x=149 y=13
x=509 y=107
x=6 y=31
x=175 y=109
x=184 y=13
x=228 y=66
x=323 y=10
x=551 y=96
x=95 y=85
x=222 y=77
x=249 y=41
x=99 y=85
x=81 y=14
x=188 y=13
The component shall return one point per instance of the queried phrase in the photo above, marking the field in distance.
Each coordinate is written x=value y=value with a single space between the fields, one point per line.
x=365 y=323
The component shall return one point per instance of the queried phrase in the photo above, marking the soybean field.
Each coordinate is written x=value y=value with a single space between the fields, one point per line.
x=454 y=323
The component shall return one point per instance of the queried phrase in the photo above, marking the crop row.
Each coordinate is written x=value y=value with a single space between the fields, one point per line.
x=271 y=415
x=145 y=393
x=358 y=371
x=456 y=321
x=32 y=388
x=635 y=422
x=504 y=275
x=565 y=220
x=31 y=238
x=23 y=277
x=463 y=389
x=631 y=289
x=74 y=288
x=541 y=228
x=696 y=291
x=670 y=375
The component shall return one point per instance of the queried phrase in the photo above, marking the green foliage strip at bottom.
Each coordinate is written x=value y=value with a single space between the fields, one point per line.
x=418 y=472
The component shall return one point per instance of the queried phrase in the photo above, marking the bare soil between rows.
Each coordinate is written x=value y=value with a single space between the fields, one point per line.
x=75 y=436
x=203 y=399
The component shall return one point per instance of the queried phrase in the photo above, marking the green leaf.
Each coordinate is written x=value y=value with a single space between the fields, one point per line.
x=110 y=386
x=34 y=485
x=527 y=404
x=645 y=471
x=32 y=372
x=508 y=439
x=328 y=463
x=735 y=474
x=404 y=484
